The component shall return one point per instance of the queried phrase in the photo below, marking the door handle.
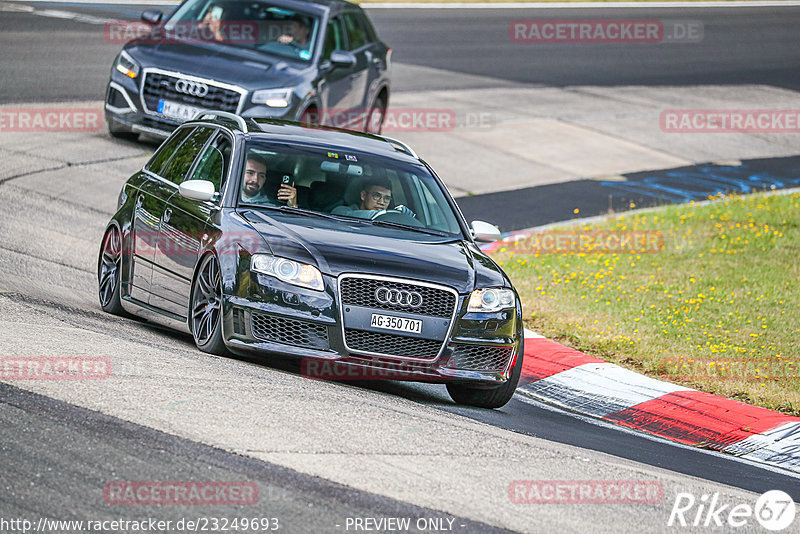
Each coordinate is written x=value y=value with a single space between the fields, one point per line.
x=167 y=215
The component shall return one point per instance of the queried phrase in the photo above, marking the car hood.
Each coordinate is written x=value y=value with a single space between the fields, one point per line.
x=235 y=65
x=336 y=247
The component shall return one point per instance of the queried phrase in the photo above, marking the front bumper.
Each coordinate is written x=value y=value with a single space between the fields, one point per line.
x=126 y=109
x=269 y=316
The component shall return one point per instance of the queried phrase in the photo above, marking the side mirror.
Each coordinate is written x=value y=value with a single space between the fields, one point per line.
x=152 y=16
x=342 y=58
x=198 y=190
x=484 y=232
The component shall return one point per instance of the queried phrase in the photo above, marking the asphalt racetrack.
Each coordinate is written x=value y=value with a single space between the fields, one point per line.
x=322 y=454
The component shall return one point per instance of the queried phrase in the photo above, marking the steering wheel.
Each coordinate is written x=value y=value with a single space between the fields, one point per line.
x=398 y=217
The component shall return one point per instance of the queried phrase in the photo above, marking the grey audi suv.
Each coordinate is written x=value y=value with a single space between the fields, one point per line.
x=317 y=62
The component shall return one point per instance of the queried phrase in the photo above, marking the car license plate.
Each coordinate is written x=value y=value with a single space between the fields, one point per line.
x=174 y=110
x=400 y=324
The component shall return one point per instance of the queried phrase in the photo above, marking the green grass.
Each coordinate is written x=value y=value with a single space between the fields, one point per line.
x=718 y=309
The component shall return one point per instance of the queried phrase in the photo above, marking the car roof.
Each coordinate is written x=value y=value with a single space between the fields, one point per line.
x=324 y=136
x=317 y=5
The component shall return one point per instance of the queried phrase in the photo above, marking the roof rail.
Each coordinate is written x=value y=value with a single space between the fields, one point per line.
x=399 y=145
x=225 y=115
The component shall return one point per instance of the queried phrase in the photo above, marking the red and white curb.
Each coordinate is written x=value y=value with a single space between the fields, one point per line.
x=590 y=386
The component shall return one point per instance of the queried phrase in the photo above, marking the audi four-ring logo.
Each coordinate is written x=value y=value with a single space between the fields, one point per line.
x=398 y=297
x=191 y=88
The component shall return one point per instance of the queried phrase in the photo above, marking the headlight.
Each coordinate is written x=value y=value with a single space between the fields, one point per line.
x=274 y=98
x=291 y=272
x=126 y=65
x=490 y=300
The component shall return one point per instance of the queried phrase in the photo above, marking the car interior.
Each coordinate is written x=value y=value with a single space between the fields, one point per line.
x=324 y=183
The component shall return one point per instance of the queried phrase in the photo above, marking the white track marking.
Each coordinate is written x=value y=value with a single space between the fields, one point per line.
x=599 y=389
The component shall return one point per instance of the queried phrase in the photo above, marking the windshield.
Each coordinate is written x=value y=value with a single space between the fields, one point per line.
x=257 y=25
x=346 y=185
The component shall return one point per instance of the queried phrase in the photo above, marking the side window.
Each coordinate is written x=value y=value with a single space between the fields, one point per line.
x=334 y=38
x=180 y=163
x=372 y=36
x=160 y=158
x=213 y=164
x=355 y=33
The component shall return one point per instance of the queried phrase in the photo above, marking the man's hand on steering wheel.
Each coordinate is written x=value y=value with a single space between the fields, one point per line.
x=399 y=209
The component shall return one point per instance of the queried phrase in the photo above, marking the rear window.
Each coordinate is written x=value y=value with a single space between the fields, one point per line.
x=356 y=34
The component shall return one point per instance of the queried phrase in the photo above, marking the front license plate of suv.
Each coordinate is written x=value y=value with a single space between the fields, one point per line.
x=399 y=324
x=177 y=111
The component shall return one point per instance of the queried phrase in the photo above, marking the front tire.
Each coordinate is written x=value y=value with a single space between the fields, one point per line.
x=205 y=313
x=109 y=267
x=489 y=398
x=376 y=116
x=118 y=131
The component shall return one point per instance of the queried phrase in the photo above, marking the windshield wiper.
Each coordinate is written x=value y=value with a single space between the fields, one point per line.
x=413 y=228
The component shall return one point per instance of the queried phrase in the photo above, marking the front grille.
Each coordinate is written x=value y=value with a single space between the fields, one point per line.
x=289 y=331
x=395 y=345
x=480 y=357
x=159 y=86
x=361 y=292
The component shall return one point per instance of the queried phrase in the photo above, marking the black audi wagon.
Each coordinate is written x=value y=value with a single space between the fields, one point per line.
x=341 y=248
x=314 y=61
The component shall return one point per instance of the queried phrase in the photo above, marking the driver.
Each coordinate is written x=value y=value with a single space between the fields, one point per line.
x=376 y=195
x=297 y=33
x=255 y=175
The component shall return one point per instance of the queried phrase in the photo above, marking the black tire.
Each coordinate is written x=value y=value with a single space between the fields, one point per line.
x=120 y=132
x=489 y=398
x=310 y=117
x=109 y=266
x=205 y=311
x=376 y=116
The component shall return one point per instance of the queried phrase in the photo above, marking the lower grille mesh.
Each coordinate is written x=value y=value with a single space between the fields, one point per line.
x=289 y=331
x=391 y=344
x=480 y=357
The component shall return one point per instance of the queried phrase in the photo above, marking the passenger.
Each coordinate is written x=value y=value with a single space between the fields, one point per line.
x=212 y=21
x=297 y=32
x=376 y=195
x=255 y=175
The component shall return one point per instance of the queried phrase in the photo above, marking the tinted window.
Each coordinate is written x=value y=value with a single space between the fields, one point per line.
x=334 y=38
x=162 y=155
x=365 y=22
x=356 y=35
x=180 y=163
x=213 y=164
